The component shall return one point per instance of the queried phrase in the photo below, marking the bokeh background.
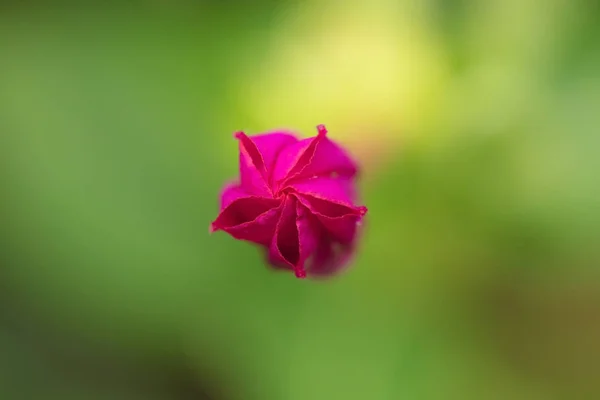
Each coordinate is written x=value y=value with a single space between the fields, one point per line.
x=478 y=128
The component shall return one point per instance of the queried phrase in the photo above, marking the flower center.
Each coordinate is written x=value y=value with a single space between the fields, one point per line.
x=283 y=193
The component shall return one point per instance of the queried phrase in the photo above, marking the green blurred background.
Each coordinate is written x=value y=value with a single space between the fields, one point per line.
x=477 y=124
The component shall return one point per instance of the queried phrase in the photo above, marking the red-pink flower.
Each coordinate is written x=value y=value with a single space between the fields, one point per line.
x=296 y=198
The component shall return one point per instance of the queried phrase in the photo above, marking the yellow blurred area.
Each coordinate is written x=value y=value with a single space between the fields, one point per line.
x=368 y=71
x=477 y=126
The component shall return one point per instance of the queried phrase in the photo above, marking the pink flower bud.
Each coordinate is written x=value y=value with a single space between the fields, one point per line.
x=296 y=198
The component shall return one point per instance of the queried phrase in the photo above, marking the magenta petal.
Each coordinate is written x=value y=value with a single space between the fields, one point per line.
x=315 y=157
x=291 y=159
x=343 y=229
x=285 y=249
x=270 y=146
x=328 y=208
x=252 y=168
x=329 y=159
x=244 y=211
x=331 y=257
x=339 y=220
x=231 y=192
x=339 y=190
x=308 y=232
x=260 y=230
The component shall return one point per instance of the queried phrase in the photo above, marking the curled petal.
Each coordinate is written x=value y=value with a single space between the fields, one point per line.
x=291 y=158
x=317 y=156
x=337 y=190
x=330 y=256
x=258 y=154
x=340 y=221
x=231 y=192
x=328 y=208
x=285 y=248
x=252 y=168
x=260 y=230
x=342 y=229
x=328 y=159
x=270 y=145
x=308 y=232
x=249 y=218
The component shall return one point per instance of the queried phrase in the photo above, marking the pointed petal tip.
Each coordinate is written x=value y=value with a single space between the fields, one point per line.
x=212 y=229
x=238 y=135
x=363 y=210
x=322 y=131
x=300 y=272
